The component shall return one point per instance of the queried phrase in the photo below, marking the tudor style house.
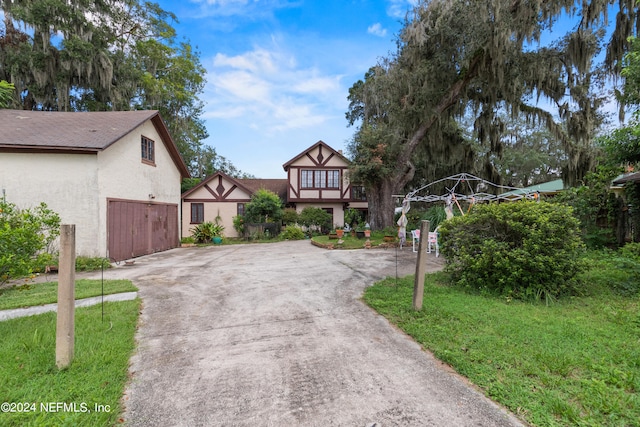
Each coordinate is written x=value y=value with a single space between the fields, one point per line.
x=317 y=177
x=115 y=175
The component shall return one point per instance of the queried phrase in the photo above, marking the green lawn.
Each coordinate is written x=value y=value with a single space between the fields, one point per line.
x=351 y=242
x=42 y=395
x=575 y=362
x=32 y=294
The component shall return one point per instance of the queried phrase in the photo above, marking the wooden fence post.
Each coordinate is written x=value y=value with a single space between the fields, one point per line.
x=65 y=325
x=421 y=266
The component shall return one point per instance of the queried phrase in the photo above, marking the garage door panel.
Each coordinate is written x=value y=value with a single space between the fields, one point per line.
x=140 y=228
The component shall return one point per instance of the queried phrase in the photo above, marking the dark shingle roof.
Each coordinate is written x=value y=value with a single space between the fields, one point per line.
x=91 y=131
x=278 y=186
x=78 y=132
x=632 y=177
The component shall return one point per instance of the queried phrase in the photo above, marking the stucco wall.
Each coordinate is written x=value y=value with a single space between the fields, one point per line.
x=77 y=186
x=226 y=209
x=122 y=175
x=67 y=183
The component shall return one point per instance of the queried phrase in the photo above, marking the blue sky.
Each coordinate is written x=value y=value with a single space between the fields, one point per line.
x=279 y=71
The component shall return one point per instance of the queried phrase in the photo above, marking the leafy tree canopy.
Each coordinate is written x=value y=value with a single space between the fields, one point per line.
x=623 y=145
x=6 y=93
x=485 y=57
x=78 y=55
x=265 y=206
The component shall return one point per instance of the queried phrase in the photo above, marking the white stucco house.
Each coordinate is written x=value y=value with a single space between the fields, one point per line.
x=115 y=175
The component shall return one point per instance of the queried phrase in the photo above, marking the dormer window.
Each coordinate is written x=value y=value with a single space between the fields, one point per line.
x=148 y=151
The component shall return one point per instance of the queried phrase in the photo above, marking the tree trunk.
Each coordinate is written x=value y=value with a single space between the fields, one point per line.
x=379 y=194
x=381 y=205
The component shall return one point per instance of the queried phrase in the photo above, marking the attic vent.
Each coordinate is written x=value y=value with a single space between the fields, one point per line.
x=320 y=158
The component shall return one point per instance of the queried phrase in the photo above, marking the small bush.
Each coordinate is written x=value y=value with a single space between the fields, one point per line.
x=238 y=224
x=290 y=216
x=91 y=264
x=316 y=219
x=26 y=239
x=352 y=217
x=525 y=250
x=631 y=251
x=203 y=233
x=292 y=232
x=435 y=215
x=265 y=206
x=611 y=272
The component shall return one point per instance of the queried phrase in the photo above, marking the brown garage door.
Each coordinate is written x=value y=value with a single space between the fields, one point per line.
x=139 y=228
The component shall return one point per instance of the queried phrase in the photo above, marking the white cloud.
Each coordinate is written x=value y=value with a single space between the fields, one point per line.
x=319 y=85
x=270 y=91
x=248 y=9
x=377 y=30
x=399 y=8
x=257 y=61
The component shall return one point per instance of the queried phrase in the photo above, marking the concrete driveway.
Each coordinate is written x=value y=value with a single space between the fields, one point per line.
x=275 y=335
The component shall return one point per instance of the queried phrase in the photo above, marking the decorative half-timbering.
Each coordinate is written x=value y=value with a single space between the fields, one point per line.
x=221 y=197
x=319 y=177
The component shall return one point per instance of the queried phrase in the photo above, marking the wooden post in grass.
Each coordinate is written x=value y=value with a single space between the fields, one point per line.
x=421 y=266
x=66 y=296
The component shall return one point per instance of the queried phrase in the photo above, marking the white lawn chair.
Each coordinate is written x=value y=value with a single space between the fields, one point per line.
x=415 y=238
x=432 y=243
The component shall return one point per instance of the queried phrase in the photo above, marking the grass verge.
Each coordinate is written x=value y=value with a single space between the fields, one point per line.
x=352 y=242
x=575 y=362
x=32 y=294
x=42 y=395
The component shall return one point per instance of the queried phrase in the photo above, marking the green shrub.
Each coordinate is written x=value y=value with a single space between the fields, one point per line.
x=292 y=232
x=631 y=251
x=203 y=233
x=435 y=215
x=612 y=272
x=91 y=264
x=316 y=219
x=265 y=206
x=238 y=224
x=352 y=217
x=525 y=250
x=26 y=236
x=595 y=206
x=290 y=216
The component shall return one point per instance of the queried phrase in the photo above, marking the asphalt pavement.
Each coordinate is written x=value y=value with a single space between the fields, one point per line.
x=276 y=335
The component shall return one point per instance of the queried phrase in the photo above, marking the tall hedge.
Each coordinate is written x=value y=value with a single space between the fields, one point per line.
x=524 y=250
